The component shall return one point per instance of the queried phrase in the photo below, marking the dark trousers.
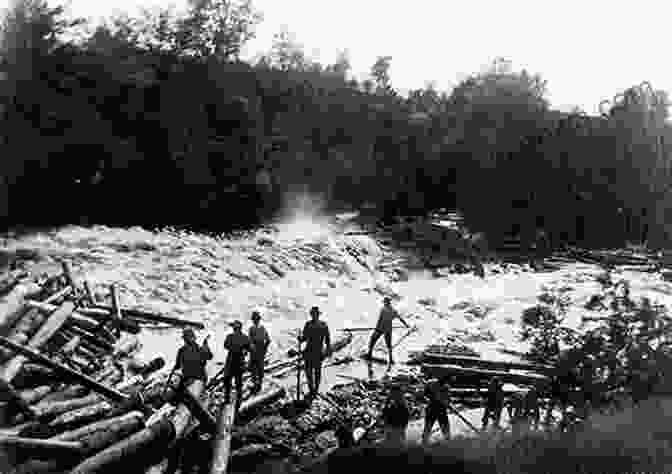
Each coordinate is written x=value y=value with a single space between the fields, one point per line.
x=235 y=372
x=313 y=367
x=257 y=359
x=374 y=339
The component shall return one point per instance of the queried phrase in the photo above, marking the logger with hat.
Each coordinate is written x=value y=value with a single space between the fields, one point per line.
x=192 y=358
x=238 y=346
x=318 y=346
x=260 y=341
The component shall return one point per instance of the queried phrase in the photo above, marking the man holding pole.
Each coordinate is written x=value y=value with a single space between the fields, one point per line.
x=260 y=341
x=318 y=346
x=384 y=328
x=238 y=345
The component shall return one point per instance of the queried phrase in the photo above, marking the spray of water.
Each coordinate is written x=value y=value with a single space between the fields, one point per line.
x=303 y=218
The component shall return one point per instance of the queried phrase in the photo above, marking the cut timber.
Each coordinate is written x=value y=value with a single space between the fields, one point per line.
x=142 y=448
x=139 y=314
x=445 y=370
x=12 y=304
x=73 y=375
x=46 y=331
x=39 y=446
x=222 y=442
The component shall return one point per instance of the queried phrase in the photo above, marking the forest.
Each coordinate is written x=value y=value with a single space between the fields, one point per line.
x=155 y=120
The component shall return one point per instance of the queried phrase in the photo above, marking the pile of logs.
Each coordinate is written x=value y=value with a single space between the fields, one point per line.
x=75 y=396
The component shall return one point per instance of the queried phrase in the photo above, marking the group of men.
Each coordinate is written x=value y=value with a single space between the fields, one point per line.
x=192 y=358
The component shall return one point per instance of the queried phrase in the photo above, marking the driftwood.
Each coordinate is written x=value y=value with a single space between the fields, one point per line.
x=222 y=442
x=159 y=318
x=48 y=329
x=65 y=371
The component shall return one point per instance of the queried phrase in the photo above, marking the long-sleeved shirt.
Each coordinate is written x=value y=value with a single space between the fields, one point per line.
x=396 y=414
x=259 y=337
x=238 y=345
x=386 y=318
x=316 y=335
x=192 y=358
x=435 y=395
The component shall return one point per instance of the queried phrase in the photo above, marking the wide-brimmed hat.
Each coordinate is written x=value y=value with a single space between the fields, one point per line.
x=315 y=310
x=236 y=324
x=255 y=316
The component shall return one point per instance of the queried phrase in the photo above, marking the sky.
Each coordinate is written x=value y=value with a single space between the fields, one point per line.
x=586 y=50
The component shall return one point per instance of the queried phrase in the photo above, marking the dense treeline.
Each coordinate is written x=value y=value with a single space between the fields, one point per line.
x=154 y=120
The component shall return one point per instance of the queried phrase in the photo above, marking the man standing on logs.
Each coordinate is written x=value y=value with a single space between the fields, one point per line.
x=436 y=410
x=396 y=416
x=238 y=345
x=191 y=358
x=384 y=328
x=260 y=341
x=318 y=346
x=494 y=403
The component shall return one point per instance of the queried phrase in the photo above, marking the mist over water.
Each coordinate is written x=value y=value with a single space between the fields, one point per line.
x=303 y=217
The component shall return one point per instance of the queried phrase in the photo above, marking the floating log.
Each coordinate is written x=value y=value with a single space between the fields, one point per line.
x=46 y=331
x=89 y=294
x=41 y=447
x=84 y=380
x=12 y=305
x=47 y=410
x=36 y=394
x=146 y=368
x=291 y=364
x=91 y=338
x=222 y=441
x=126 y=346
x=159 y=318
x=67 y=273
x=445 y=370
x=56 y=297
x=142 y=448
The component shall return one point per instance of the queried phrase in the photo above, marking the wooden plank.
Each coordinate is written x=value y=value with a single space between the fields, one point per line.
x=222 y=442
x=53 y=323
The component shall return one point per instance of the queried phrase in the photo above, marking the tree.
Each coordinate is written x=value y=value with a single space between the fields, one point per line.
x=287 y=54
x=217 y=28
x=380 y=71
x=341 y=66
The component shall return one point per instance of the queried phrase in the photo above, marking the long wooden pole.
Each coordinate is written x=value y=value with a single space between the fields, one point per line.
x=222 y=442
x=116 y=309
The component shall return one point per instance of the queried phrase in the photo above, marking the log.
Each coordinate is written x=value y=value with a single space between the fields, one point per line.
x=126 y=346
x=47 y=410
x=445 y=370
x=142 y=448
x=10 y=395
x=41 y=446
x=56 y=297
x=94 y=438
x=89 y=294
x=66 y=372
x=91 y=338
x=221 y=445
x=366 y=329
x=36 y=394
x=146 y=368
x=261 y=399
x=98 y=316
x=196 y=408
x=12 y=304
x=159 y=318
x=116 y=309
x=182 y=415
x=46 y=331
x=467 y=361
x=67 y=273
